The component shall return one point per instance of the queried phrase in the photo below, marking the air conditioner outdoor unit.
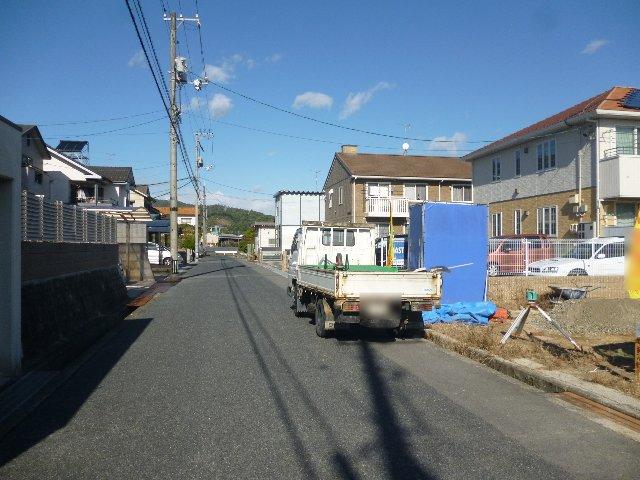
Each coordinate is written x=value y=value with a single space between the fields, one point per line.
x=573 y=227
x=574 y=198
x=580 y=209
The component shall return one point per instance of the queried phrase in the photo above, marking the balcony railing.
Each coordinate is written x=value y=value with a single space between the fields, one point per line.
x=617 y=151
x=620 y=175
x=384 y=207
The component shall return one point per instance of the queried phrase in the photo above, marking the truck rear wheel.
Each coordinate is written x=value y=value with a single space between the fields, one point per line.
x=323 y=315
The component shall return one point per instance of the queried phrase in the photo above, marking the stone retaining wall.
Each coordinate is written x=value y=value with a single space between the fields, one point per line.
x=62 y=316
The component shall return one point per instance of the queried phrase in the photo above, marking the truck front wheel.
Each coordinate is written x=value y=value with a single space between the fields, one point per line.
x=323 y=317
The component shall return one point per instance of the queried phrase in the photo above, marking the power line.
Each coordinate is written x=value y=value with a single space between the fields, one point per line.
x=109 y=131
x=318 y=140
x=82 y=122
x=336 y=125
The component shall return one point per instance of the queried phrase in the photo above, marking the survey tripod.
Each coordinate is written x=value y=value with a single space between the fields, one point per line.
x=518 y=324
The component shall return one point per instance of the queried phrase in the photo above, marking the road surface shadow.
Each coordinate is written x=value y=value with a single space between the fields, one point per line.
x=398 y=460
x=55 y=412
x=211 y=269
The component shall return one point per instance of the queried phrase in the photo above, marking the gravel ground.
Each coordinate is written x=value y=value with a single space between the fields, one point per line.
x=592 y=316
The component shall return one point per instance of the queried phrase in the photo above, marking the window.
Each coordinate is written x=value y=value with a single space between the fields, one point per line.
x=461 y=193
x=496 y=224
x=548 y=221
x=326 y=237
x=416 y=192
x=496 y=169
x=378 y=189
x=330 y=198
x=383 y=229
x=351 y=238
x=613 y=250
x=518 y=153
x=338 y=237
x=546 y=155
x=340 y=195
x=627 y=141
x=517 y=222
x=625 y=214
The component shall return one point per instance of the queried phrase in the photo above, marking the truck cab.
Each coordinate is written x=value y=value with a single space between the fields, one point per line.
x=315 y=241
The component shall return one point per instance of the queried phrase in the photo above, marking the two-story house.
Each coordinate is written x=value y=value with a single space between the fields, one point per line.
x=186 y=215
x=34 y=153
x=378 y=188
x=122 y=182
x=573 y=174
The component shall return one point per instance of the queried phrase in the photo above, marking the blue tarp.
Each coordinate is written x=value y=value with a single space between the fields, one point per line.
x=467 y=312
x=449 y=235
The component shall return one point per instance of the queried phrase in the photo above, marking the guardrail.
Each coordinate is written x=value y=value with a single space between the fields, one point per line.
x=556 y=257
x=384 y=206
x=44 y=221
x=622 y=150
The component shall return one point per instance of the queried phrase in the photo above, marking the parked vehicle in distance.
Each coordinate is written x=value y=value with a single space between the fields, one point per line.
x=158 y=254
x=597 y=256
x=510 y=254
x=333 y=275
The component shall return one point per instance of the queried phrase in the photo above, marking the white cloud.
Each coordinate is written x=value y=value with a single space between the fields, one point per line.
x=220 y=74
x=220 y=105
x=594 y=45
x=275 y=58
x=313 y=100
x=137 y=60
x=195 y=103
x=355 y=101
x=225 y=71
x=271 y=153
x=451 y=145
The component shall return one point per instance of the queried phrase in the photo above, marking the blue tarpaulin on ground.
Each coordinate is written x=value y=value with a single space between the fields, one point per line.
x=451 y=235
x=467 y=312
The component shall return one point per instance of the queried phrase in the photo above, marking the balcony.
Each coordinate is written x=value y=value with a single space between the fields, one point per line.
x=398 y=207
x=620 y=174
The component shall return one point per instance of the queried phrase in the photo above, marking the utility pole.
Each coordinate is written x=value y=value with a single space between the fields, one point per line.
x=178 y=75
x=198 y=165
x=204 y=213
x=173 y=148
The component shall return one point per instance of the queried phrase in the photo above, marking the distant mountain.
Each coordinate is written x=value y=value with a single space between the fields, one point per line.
x=234 y=220
x=231 y=219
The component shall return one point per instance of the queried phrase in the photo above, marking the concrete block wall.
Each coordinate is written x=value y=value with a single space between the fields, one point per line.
x=509 y=292
x=135 y=263
x=43 y=260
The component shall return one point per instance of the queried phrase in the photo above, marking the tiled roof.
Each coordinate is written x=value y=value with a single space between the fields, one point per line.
x=391 y=166
x=611 y=99
x=115 y=174
x=182 y=211
x=296 y=192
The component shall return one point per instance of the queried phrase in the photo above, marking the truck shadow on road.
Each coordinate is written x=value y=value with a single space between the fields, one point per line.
x=399 y=461
x=57 y=410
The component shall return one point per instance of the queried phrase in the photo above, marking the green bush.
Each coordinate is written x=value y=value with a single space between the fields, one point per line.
x=188 y=241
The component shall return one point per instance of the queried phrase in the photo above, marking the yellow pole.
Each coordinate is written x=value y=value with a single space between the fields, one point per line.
x=633 y=262
x=390 y=249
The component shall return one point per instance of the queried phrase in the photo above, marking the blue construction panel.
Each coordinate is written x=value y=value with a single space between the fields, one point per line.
x=450 y=235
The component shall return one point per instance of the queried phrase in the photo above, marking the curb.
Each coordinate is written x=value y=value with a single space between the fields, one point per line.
x=539 y=379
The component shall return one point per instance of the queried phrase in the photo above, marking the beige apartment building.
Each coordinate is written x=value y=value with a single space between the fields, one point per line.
x=575 y=174
x=379 y=188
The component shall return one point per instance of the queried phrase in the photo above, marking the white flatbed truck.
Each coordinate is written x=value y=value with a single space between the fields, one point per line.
x=332 y=275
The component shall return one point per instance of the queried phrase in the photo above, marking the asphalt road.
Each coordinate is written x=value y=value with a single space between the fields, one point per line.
x=216 y=378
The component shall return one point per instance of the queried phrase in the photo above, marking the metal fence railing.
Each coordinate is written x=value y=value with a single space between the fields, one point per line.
x=555 y=257
x=44 y=221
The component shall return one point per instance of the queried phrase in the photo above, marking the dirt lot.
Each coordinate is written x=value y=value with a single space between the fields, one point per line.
x=606 y=359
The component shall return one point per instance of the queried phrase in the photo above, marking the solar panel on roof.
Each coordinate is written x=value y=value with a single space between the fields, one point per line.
x=632 y=100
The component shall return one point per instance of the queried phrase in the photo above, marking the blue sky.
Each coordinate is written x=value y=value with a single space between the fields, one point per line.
x=468 y=71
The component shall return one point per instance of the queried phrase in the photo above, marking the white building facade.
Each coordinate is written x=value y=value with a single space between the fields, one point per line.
x=293 y=208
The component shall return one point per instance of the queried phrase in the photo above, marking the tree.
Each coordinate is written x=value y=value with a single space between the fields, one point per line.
x=247 y=239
